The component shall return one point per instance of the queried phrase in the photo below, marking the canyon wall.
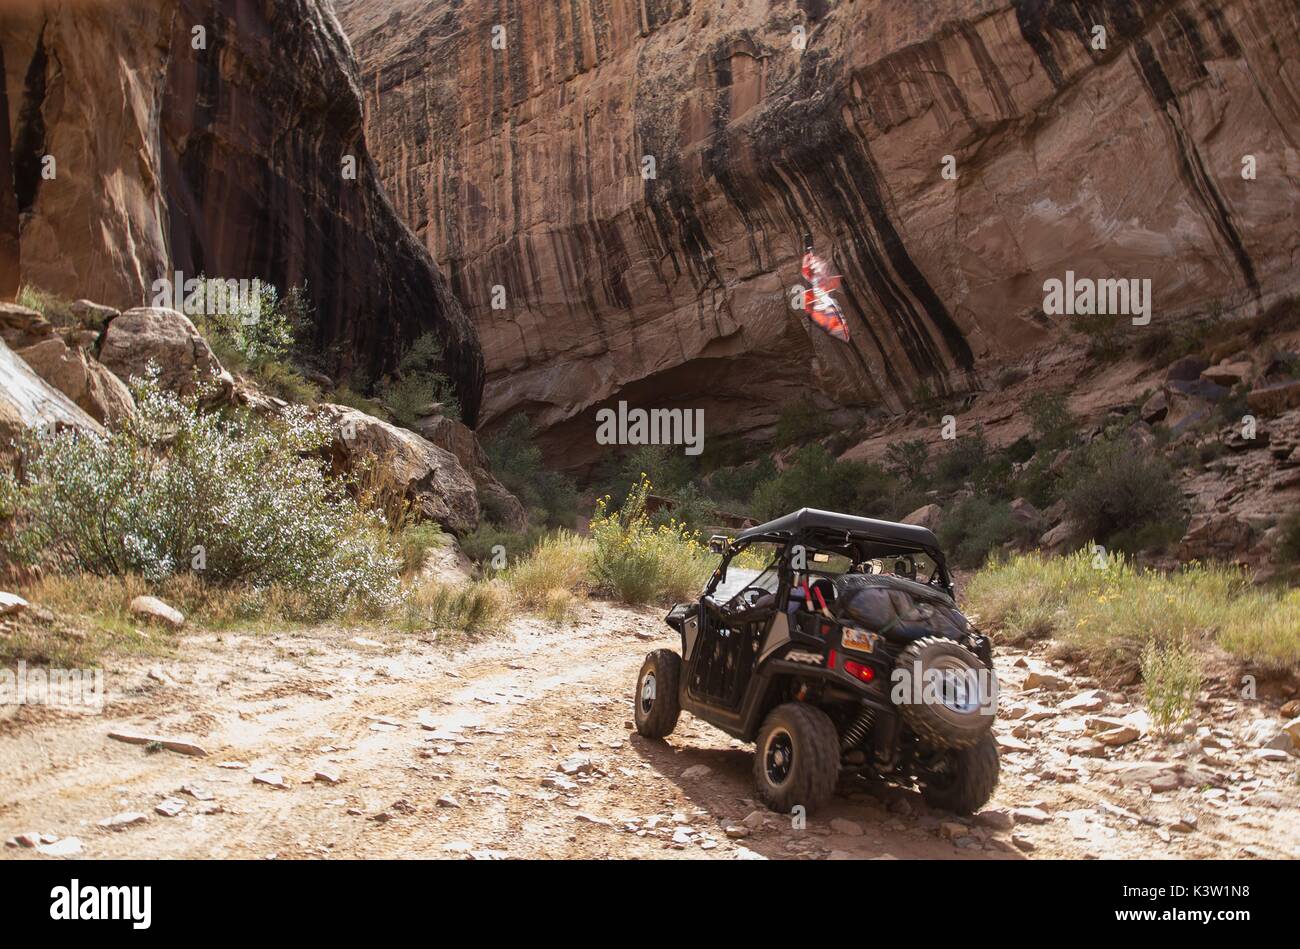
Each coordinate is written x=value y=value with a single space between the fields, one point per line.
x=212 y=137
x=515 y=138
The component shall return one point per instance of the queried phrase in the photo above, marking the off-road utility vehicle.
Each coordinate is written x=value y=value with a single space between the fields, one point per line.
x=833 y=642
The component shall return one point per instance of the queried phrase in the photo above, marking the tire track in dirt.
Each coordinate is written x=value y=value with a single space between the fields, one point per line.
x=507 y=716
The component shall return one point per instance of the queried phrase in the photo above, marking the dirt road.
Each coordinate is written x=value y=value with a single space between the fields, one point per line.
x=520 y=745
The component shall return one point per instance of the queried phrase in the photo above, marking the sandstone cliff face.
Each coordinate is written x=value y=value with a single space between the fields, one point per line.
x=227 y=159
x=522 y=168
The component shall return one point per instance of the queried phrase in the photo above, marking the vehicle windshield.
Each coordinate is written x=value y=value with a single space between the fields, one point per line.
x=752 y=568
x=738 y=578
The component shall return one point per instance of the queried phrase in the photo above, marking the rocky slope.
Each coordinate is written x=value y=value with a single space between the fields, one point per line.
x=77 y=377
x=220 y=152
x=521 y=168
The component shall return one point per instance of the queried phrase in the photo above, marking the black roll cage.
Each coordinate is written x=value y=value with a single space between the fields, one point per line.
x=859 y=538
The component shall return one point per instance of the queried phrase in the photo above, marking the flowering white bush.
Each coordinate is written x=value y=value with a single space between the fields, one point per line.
x=230 y=496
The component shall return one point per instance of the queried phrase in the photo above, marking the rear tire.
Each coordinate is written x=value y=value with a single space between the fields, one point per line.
x=797 y=758
x=656 y=702
x=968 y=778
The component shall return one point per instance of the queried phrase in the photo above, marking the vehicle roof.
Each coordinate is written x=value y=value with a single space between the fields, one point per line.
x=810 y=520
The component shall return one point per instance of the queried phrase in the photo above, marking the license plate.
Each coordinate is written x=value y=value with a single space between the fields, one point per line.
x=858 y=639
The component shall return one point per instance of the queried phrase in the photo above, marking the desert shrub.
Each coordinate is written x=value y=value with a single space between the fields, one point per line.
x=735 y=486
x=1020 y=450
x=517 y=463
x=815 y=479
x=259 y=334
x=489 y=539
x=1011 y=376
x=1263 y=629
x=1231 y=409
x=374 y=484
x=420 y=383
x=247 y=332
x=1050 y=420
x=557 y=572
x=1104 y=333
x=468 y=607
x=236 y=497
x=907 y=459
x=285 y=381
x=800 y=421
x=1171 y=678
x=1288 y=547
x=1109 y=608
x=348 y=395
x=966 y=459
x=667 y=467
x=51 y=306
x=690 y=509
x=639 y=562
x=1035 y=482
x=1114 y=492
x=975 y=527
x=415 y=541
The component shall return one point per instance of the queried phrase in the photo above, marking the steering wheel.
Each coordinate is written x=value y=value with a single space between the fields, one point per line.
x=746 y=599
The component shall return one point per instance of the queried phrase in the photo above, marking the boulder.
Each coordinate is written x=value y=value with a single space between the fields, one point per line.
x=496 y=503
x=1060 y=462
x=1155 y=408
x=1065 y=534
x=1275 y=398
x=21 y=326
x=1186 y=369
x=167 y=339
x=1292 y=729
x=447 y=564
x=93 y=316
x=152 y=608
x=1228 y=374
x=1215 y=535
x=1141 y=435
x=12 y=603
x=82 y=378
x=27 y=401
x=429 y=477
x=1049 y=681
x=927 y=516
x=1026 y=515
x=1190 y=402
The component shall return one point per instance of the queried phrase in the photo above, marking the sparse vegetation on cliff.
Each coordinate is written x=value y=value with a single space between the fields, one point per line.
x=260 y=336
x=517 y=463
x=420 y=384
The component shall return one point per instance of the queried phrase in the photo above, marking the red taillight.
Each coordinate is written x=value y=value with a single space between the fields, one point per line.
x=859 y=671
x=830 y=660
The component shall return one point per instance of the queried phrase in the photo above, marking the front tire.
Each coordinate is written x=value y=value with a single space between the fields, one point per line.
x=962 y=780
x=797 y=758
x=657 y=706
